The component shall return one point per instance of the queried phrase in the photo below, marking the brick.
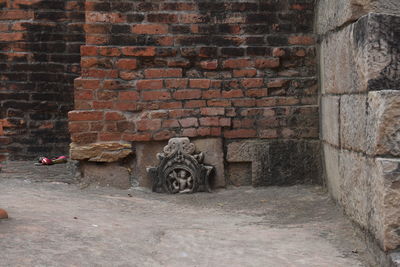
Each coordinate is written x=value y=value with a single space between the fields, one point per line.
x=85 y=115
x=137 y=137
x=170 y=105
x=11 y=37
x=209 y=131
x=93 y=17
x=163 y=135
x=209 y=64
x=103 y=104
x=232 y=93
x=212 y=111
x=78 y=127
x=240 y=133
x=301 y=40
x=127 y=106
x=90 y=84
x=170 y=123
x=211 y=94
x=189 y=132
x=128 y=96
x=109 y=51
x=267 y=63
x=256 y=92
x=219 y=103
x=156 y=95
x=277 y=83
x=278 y=52
x=193 y=18
x=252 y=82
x=244 y=102
x=236 y=63
x=163 y=73
x=176 y=83
x=187 y=94
x=106 y=137
x=83 y=94
x=137 y=51
x=88 y=50
x=114 y=116
x=16 y=14
x=127 y=64
x=195 y=103
x=149 y=84
x=148 y=125
x=200 y=83
x=84 y=138
x=245 y=73
x=150 y=29
x=189 y=122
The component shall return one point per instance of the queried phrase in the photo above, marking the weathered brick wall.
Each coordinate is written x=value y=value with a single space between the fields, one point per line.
x=154 y=70
x=39 y=59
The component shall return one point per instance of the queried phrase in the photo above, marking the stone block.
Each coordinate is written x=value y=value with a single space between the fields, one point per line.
x=355 y=188
x=214 y=156
x=239 y=173
x=334 y=14
x=362 y=56
x=388 y=171
x=353 y=122
x=333 y=178
x=101 y=152
x=278 y=162
x=330 y=119
x=146 y=157
x=105 y=174
x=339 y=73
x=383 y=135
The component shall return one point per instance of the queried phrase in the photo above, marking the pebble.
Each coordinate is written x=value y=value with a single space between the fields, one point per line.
x=3 y=214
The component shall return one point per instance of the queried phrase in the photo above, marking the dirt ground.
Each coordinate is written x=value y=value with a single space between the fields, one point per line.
x=54 y=222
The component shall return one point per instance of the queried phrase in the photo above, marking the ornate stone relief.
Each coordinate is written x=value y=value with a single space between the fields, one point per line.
x=180 y=170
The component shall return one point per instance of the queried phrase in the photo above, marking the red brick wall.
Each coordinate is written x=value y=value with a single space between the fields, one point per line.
x=39 y=59
x=158 y=69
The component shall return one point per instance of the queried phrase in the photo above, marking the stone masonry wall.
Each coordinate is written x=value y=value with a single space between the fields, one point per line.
x=225 y=69
x=360 y=111
x=39 y=59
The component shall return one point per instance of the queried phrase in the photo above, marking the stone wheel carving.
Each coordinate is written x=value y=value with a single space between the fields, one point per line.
x=180 y=169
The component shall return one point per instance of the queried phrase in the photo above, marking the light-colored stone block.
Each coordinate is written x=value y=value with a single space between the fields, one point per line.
x=334 y=14
x=353 y=122
x=330 y=119
x=383 y=133
x=362 y=56
x=355 y=188
x=105 y=174
x=389 y=172
x=214 y=156
x=334 y=180
x=101 y=152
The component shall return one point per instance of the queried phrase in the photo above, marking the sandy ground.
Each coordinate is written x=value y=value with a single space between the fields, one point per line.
x=54 y=222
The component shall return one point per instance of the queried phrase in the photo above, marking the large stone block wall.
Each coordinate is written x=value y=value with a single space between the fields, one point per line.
x=39 y=59
x=230 y=70
x=360 y=81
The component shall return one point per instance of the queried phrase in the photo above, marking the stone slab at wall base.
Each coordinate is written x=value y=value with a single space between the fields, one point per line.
x=145 y=156
x=274 y=162
x=105 y=174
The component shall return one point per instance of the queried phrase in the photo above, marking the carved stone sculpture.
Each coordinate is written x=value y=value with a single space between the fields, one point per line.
x=180 y=170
